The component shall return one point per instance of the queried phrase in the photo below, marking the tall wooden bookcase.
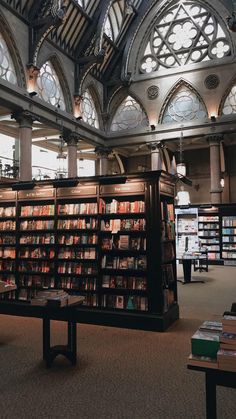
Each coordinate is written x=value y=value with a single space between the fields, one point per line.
x=111 y=239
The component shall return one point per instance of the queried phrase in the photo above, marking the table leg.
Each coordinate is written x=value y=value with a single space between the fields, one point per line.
x=210 y=396
x=72 y=341
x=187 y=263
x=46 y=339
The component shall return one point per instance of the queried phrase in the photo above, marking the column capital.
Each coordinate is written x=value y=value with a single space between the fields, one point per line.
x=103 y=152
x=215 y=139
x=155 y=145
x=70 y=137
x=24 y=118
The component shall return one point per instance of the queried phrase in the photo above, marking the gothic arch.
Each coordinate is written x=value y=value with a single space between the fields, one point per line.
x=58 y=67
x=13 y=50
x=232 y=85
x=202 y=110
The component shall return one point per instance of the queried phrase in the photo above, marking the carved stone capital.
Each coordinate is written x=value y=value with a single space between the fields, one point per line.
x=24 y=118
x=155 y=146
x=214 y=139
x=103 y=152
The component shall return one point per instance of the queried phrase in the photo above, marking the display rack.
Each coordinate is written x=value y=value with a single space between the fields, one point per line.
x=209 y=232
x=229 y=236
x=110 y=239
x=186 y=228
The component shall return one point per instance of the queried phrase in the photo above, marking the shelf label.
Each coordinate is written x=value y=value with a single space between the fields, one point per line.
x=36 y=193
x=8 y=195
x=77 y=191
x=167 y=188
x=131 y=187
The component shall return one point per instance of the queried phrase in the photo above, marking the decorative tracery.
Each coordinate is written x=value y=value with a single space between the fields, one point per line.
x=185 y=105
x=49 y=88
x=129 y=115
x=7 y=69
x=184 y=34
x=229 y=105
x=88 y=110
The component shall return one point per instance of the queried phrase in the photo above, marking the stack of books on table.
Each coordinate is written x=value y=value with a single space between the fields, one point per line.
x=205 y=344
x=226 y=355
x=52 y=298
x=7 y=286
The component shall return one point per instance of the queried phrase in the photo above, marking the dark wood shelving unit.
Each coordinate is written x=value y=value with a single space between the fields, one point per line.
x=133 y=283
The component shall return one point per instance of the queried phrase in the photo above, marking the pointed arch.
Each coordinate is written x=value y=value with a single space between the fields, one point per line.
x=52 y=86
x=89 y=106
x=179 y=33
x=228 y=101
x=129 y=114
x=114 y=19
x=182 y=104
x=11 y=67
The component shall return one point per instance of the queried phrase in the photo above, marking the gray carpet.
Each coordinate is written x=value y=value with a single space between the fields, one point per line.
x=120 y=374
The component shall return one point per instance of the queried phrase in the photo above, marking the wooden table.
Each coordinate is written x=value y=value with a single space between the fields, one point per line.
x=48 y=313
x=214 y=377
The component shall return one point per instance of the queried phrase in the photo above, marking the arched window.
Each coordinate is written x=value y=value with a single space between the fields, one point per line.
x=184 y=106
x=7 y=69
x=185 y=33
x=229 y=105
x=129 y=115
x=88 y=110
x=49 y=88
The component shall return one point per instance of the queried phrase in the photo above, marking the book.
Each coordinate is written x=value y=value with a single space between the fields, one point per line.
x=203 y=361
x=209 y=325
x=205 y=343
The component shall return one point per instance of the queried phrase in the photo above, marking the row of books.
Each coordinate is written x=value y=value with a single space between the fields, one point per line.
x=73 y=239
x=37 y=225
x=7 y=239
x=78 y=208
x=82 y=253
x=187 y=225
x=46 y=238
x=123 y=242
x=167 y=211
x=79 y=224
x=37 y=210
x=32 y=266
x=207 y=233
x=229 y=246
x=7 y=212
x=119 y=281
x=121 y=207
x=7 y=265
x=115 y=225
x=90 y=300
x=168 y=251
x=204 y=218
x=167 y=230
x=128 y=262
x=229 y=221
x=229 y=255
x=7 y=225
x=206 y=226
x=167 y=275
x=7 y=252
x=37 y=253
x=36 y=281
x=77 y=268
x=78 y=284
x=169 y=298
x=229 y=239
x=134 y=302
x=226 y=231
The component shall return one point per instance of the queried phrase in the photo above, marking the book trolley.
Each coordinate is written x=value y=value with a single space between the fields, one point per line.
x=109 y=239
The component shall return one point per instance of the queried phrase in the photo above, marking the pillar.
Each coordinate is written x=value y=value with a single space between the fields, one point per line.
x=215 y=167
x=102 y=166
x=72 y=143
x=156 y=157
x=25 y=120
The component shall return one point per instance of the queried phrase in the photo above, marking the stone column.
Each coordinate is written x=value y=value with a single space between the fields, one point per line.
x=25 y=120
x=102 y=166
x=72 y=142
x=215 y=169
x=156 y=157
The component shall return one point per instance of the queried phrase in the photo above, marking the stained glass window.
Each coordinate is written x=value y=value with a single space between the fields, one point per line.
x=49 y=88
x=7 y=70
x=88 y=110
x=184 y=105
x=129 y=115
x=186 y=33
x=230 y=102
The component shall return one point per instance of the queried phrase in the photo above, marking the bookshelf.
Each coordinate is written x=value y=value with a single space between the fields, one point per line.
x=186 y=227
x=229 y=235
x=109 y=239
x=209 y=232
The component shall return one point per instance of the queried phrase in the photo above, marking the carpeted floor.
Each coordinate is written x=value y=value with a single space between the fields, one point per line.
x=120 y=374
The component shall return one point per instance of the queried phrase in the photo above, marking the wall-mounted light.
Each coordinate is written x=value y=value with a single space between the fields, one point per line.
x=222 y=182
x=181 y=166
x=33 y=93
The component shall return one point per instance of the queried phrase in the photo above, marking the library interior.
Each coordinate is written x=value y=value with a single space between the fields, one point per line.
x=118 y=209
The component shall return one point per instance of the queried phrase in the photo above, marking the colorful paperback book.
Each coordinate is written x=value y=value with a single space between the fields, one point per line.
x=202 y=361
x=209 y=325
